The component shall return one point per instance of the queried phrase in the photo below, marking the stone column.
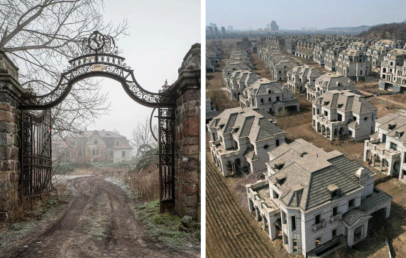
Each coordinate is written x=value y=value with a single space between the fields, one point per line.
x=186 y=91
x=256 y=213
x=10 y=96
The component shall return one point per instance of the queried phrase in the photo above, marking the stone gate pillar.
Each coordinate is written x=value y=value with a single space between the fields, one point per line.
x=187 y=135
x=10 y=96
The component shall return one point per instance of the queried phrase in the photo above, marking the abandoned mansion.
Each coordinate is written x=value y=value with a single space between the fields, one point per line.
x=94 y=146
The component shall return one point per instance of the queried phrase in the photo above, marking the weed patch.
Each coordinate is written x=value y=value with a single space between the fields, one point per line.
x=166 y=228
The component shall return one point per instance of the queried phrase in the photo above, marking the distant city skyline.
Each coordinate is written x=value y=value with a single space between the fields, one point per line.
x=295 y=14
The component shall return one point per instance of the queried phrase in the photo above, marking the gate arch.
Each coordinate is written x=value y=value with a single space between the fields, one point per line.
x=98 y=58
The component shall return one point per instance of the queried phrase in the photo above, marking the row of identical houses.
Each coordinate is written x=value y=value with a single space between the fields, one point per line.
x=93 y=146
x=214 y=54
x=318 y=201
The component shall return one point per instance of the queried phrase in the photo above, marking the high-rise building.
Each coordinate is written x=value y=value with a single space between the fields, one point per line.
x=223 y=30
x=216 y=31
x=273 y=26
x=210 y=30
x=230 y=28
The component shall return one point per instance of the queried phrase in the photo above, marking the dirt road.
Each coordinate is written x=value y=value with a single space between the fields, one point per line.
x=98 y=222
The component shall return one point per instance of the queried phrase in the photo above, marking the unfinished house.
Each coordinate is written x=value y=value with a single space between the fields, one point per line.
x=240 y=139
x=300 y=75
x=319 y=52
x=211 y=112
x=238 y=81
x=269 y=96
x=239 y=60
x=317 y=201
x=393 y=71
x=280 y=66
x=353 y=62
x=339 y=113
x=304 y=49
x=326 y=82
x=290 y=44
x=94 y=146
x=385 y=150
x=331 y=57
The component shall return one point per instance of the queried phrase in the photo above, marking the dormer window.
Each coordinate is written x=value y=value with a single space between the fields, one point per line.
x=280 y=178
x=391 y=126
x=334 y=190
x=399 y=134
x=279 y=164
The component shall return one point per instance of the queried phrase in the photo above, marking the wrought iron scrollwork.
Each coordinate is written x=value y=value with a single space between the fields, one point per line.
x=166 y=118
x=98 y=57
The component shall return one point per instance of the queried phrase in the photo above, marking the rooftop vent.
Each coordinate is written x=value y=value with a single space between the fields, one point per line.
x=302 y=153
x=361 y=172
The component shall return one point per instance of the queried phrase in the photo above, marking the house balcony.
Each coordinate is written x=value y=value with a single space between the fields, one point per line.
x=336 y=217
x=320 y=225
x=379 y=148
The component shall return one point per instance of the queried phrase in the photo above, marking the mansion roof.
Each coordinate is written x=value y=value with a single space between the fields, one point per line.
x=310 y=172
x=345 y=100
x=246 y=122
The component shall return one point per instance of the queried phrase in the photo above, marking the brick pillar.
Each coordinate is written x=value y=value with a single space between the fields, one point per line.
x=10 y=94
x=187 y=135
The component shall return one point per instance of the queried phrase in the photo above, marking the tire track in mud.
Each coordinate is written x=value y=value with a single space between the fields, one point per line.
x=99 y=221
x=229 y=234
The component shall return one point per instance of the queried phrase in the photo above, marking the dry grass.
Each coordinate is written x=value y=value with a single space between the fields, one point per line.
x=145 y=184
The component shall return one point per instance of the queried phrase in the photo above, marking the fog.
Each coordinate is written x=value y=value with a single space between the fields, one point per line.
x=161 y=33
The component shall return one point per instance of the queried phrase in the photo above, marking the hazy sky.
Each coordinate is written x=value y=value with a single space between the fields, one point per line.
x=162 y=32
x=295 y=14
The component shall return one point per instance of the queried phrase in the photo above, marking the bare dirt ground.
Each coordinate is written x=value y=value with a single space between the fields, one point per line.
x=229 y=232
x=215 y=88
x=98 y=221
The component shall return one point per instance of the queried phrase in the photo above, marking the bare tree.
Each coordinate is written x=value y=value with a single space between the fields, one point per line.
x=142 y=138
x=40 y=36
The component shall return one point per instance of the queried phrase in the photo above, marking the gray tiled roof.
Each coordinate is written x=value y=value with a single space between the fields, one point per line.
x=375 y=200
x=252 y=123
x=310 y=170
x=346 y=100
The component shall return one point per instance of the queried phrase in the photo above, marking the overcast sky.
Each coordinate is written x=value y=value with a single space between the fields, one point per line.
x=162 y=32
x=295 y=14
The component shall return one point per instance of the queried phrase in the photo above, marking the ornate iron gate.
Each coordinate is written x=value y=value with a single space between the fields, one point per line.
x=166 y=158
x=97 y=57
x=36 y=153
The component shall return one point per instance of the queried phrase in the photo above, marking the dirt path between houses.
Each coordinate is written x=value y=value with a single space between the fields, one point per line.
x=97 y=222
